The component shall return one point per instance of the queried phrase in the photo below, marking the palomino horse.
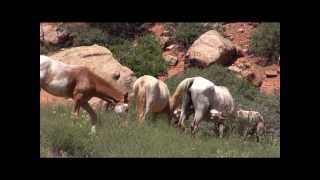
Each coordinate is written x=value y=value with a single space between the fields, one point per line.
x=152 y=95
x=76 y=82
x=201 y=95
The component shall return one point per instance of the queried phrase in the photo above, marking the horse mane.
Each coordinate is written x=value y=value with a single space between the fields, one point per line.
x=183 y=86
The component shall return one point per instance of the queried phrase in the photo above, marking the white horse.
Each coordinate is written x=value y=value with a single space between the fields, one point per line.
x=152 y=95
x=76 y=82
x=201 y=95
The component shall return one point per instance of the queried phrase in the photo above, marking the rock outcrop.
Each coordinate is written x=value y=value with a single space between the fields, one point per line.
x=211 y=48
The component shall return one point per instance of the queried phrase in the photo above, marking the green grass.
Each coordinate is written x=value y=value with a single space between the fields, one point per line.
x=154 y=139
x=265 y=41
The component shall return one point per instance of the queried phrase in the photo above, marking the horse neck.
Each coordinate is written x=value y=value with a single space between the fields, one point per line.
x=104 y=89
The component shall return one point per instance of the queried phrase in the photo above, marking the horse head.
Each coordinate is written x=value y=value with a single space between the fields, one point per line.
x=121 y=108
x=214 y=115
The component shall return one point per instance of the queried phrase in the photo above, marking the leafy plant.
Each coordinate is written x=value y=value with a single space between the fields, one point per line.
x=143 y=58
x=266 y=41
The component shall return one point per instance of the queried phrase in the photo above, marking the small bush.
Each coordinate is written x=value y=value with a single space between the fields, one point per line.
x=144 y=59
x=187 y=33
x=122 y=30
x=266 y=41
x=89 y=36
x=47 y=49
x=43 y=49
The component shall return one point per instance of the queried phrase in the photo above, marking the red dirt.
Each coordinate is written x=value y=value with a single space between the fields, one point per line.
x=242 y=39
x=239 y=38
x=270 y=85
x=157 y=29
x=174 y=70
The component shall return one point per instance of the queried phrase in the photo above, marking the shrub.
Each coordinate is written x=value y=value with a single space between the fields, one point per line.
x=89 y=36
x=122 y=30
x=187 y=33
x=48 y=48
x=266 y=41
x=144 y=58
x=43 y=49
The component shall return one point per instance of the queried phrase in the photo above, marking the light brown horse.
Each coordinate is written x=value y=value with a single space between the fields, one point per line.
x=152 y=95
x=76 y=82
x=254 y=121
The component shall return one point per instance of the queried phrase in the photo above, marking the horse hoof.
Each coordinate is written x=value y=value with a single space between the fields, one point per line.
x=93 y=130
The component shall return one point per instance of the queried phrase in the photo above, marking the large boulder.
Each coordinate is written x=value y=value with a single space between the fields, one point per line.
x=101 y=61
x=211 y=48
x=170 y=59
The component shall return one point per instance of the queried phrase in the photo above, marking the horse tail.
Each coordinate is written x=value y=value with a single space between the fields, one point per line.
x=261 y=118
x=180 y=91
x=232 y=105
x=135 y=87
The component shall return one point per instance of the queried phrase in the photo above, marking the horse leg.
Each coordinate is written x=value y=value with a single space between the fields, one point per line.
x=183 y=116
x=76 y=110
x=246 y=133
x=259 y=130
x=197 y=118
x=148 y=103
x=169 y=114
x=221 y=129
x=216 y=128
x=146 y=111
x=249 y=132
x=140 y=104
x=93 y=115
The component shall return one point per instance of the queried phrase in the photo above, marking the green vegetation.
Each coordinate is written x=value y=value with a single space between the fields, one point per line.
x=186 y=33
x=120 y=30
x=89 y=36
x=144 y=58
x=154 y=139
x=266 y=41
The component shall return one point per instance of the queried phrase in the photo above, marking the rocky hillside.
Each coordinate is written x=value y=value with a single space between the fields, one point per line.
x=181 y=45
x=248 y=66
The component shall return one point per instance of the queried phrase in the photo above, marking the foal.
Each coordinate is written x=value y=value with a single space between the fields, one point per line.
x=255 y=123
x=76 y=82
